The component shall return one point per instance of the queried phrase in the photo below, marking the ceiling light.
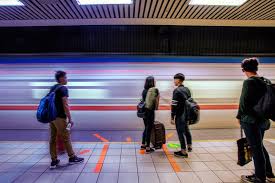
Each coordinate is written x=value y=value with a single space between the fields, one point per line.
x=91 y=2
x=11 y=3
x=218 y=2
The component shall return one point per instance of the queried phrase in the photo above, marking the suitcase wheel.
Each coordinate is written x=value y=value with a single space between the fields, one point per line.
x=158 y=147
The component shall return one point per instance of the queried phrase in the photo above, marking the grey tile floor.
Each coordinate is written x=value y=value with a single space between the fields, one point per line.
x=211 y=161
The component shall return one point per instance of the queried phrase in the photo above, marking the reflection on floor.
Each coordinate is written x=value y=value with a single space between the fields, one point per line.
x=211 y=161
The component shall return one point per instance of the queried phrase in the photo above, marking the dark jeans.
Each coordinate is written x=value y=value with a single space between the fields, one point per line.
x=148 y=123
x=183 y=131
x=254 y=135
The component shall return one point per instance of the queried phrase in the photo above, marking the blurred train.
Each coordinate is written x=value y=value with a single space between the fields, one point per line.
x=104 y=92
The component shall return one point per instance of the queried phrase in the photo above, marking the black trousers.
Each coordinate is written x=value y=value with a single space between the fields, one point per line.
x=183 y=131
x=148 y=123
x=255 y=135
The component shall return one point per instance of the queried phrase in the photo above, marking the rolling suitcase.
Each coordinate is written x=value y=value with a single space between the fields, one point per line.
x=158 y=137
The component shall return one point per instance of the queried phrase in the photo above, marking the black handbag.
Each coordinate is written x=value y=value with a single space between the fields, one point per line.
x=141 y=109
x=244 y=151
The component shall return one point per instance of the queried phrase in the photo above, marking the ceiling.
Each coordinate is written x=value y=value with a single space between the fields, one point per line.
x=151 y=12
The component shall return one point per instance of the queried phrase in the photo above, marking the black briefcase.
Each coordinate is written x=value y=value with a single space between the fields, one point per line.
x=244 y=151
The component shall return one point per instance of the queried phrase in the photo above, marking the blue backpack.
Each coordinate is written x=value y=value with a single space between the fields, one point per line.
x=46 y=111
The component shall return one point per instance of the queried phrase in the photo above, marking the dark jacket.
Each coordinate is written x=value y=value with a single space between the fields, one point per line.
x=180 y=95
x=253 y=89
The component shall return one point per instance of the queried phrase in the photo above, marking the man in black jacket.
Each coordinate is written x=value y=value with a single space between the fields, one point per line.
x=254 y=126
x=178 y=114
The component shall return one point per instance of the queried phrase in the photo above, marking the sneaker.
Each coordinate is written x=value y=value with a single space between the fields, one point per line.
x=54 y=164
x=142 y=147
x=148 y=151
x=250 y=179
x=75 y=160
x=270 y=179
x=180 y=154
x=190 y=149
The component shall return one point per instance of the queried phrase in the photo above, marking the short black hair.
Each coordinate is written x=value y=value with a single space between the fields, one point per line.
x=59 y=74
x=250 y=64
x=179 y=76
x=149 y=82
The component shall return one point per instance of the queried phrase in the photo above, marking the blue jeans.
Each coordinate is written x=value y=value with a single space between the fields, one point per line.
x=183 y=131
x=255 y=134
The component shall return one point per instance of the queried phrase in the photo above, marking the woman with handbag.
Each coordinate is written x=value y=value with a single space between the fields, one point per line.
x=150 y=95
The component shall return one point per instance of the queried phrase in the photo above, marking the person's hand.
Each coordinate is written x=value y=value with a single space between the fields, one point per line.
x=173 y=121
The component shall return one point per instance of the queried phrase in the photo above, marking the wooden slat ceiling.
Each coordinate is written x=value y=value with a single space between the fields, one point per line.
x=140 y=9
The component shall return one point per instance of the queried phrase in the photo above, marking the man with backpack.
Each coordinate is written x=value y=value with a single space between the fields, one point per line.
x=253 y=123
x=178 y=114
x=60 y=126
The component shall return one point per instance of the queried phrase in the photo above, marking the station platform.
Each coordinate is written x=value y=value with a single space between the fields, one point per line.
x=114 y=157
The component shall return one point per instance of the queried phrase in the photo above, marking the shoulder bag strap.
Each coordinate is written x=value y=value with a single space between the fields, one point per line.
x=186 y=93
x=242 y=133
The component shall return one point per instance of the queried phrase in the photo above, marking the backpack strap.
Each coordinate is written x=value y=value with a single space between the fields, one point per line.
x=267 y=81
x=186 y=93
x=57 y=88
x=263 y=80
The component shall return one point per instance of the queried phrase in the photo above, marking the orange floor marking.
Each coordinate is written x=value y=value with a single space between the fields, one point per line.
x=84 y=151
x=171 y=159
x=99 y=164
x=100 y=138
x=169 y=135
x=141 y=151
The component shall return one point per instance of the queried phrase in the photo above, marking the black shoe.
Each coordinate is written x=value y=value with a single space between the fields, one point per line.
x=148 y=151
x=54 y=164
x=180 y=154
x=142 y=147
x=251 y=179
x=75 y=160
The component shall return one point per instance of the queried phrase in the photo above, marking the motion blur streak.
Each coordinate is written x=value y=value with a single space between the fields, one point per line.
x=104 y=95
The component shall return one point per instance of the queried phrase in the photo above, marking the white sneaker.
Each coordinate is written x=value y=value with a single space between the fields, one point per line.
x=270 y=180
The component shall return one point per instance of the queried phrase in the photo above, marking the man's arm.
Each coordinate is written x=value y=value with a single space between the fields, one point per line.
x=239 y=114
x=245 y=99
x=174 y=104
x=67 y=108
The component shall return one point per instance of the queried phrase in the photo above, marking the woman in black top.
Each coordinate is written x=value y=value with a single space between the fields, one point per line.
x=149 y=112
